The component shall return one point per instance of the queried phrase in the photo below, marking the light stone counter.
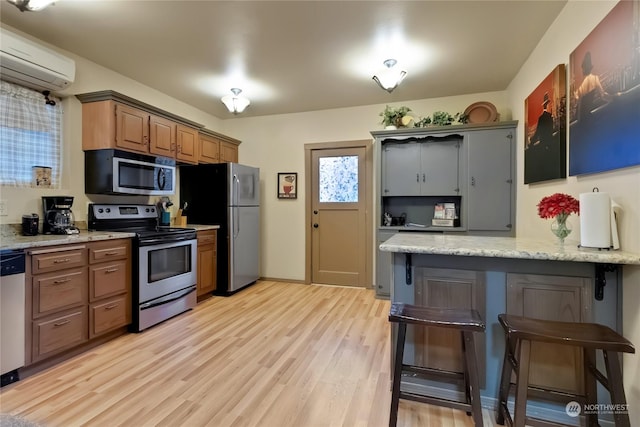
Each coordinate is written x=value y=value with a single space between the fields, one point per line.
x=202 y=227
x=502 y=247
x=17 y=241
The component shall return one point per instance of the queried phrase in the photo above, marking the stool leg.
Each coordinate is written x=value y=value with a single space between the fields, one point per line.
x=522 y=384
x=397 y=374
x=590 y=385
x=471 y=367
x=614 y=378
x=505 y=382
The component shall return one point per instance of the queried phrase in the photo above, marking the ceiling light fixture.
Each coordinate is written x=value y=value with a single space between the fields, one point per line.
x=235 y=103
x=390 y=77
x=30 y=5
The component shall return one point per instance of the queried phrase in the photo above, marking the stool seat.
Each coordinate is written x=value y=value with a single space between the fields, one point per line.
x=467 y=323
x=588 y=335
x=521 y=332
x=467 y=320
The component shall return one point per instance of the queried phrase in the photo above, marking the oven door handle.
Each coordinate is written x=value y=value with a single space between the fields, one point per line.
x=155 y=241
x=166 y=299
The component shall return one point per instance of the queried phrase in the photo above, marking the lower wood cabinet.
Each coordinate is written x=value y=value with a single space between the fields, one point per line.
x=440 y=348
x=561 y=298
x=207 y=263
x=76 y=293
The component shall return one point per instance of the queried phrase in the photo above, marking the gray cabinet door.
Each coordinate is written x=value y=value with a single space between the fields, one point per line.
x=401 y=170
x=420 y=169
x=439 y=168
x=490 y=184
x=383 y=266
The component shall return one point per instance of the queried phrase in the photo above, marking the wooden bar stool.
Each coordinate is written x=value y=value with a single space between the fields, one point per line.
x=521 y=332
x=467 y=322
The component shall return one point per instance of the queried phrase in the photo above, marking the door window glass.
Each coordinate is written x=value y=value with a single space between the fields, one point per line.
x=338 y=179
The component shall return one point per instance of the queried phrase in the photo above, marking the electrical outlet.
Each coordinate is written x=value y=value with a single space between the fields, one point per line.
x=3 y=208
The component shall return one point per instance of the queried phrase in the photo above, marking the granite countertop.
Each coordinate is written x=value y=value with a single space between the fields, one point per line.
x=502 y=247
x=11 y=236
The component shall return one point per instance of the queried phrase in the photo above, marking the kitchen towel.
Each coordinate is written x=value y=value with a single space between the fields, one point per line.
x=598 y=228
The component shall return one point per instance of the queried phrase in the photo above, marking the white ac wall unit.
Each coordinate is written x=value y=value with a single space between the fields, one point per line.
x=32 y=65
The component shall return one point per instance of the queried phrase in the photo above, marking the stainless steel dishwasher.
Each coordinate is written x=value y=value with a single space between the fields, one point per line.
x=12 y=320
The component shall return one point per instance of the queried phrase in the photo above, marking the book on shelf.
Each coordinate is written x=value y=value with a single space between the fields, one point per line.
x=444 y=215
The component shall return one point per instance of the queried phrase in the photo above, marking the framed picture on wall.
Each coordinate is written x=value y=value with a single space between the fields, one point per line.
x=604 y=71
x=545 y=145
x=287 y=185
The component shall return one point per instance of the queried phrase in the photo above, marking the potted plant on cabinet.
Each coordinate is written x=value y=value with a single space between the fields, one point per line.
x=393 y=118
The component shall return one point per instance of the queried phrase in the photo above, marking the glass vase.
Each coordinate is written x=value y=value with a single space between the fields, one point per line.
x=561 y=227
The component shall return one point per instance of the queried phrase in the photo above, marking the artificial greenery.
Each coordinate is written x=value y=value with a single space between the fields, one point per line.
x=392 y=116
x=442 y=118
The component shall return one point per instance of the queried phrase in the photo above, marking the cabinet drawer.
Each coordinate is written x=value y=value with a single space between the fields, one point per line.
x=105 y=316
x=57 y=291
x=60 y=333
x=44 y=261
x=108 y=279
x=206 y=237
x=107 y=251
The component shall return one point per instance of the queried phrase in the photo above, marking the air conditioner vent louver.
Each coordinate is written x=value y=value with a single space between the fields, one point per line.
x=32 y=65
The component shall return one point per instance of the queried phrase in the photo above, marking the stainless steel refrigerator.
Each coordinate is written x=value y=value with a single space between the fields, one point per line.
x=228 y=195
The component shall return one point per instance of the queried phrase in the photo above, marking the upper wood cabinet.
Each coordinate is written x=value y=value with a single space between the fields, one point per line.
x=216 y=148
x=111 y=120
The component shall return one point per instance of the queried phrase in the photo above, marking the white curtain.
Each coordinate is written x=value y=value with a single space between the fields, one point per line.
x=30 y=136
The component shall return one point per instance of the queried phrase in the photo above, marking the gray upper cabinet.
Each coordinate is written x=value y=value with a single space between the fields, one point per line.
x=425 y=168
x=490 y=185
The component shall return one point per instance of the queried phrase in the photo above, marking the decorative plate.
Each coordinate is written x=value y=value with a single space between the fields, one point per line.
x=481 y=112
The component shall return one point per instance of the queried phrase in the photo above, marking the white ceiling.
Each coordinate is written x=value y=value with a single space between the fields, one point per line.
x=293 y=56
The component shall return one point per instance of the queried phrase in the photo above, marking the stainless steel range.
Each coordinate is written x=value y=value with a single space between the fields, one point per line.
x=164 y=261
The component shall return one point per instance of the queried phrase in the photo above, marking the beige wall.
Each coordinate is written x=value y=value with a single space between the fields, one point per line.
x=574 y=23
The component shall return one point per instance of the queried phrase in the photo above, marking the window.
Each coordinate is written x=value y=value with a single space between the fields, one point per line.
x=338 y=179
x=30 y=135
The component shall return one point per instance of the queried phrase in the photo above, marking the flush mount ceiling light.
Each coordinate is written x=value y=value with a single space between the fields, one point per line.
x=235 y=103
x=390 y=77
x=30 y=5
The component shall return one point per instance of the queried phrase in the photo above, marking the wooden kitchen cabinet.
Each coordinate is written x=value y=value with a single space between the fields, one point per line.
x=440 y=348
x=207 y=263
x=215 y=148
x=109 y=286
x=551 y=297
x=76 y=293
x=112 y=120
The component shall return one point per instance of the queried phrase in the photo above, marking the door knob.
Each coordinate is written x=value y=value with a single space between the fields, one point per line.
x=315 y=212
x=315 y=225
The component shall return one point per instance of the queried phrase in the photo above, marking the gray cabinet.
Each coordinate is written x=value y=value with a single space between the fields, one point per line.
x=425 y=168
x=490 y=187
x=384 y=261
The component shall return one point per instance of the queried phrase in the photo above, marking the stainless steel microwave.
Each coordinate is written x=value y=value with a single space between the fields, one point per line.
x=121 y=172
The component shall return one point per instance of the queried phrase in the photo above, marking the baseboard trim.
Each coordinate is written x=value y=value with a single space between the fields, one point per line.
x=275 y=279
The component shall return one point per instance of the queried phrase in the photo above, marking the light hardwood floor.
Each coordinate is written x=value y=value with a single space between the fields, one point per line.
x=275 y=354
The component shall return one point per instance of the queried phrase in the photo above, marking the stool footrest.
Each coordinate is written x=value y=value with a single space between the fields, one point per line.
x=430 y=373
x=436 y=401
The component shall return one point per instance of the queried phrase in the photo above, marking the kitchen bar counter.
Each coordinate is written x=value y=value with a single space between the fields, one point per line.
x=502 y=247
x=494 y=275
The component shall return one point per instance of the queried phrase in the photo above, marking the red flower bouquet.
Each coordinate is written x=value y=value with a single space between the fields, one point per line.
x=558 y=204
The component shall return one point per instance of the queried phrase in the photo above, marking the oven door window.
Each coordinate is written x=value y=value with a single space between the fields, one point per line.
x=168 y=262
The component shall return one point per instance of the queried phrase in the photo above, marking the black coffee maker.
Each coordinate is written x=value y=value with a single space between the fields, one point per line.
x=58 y=218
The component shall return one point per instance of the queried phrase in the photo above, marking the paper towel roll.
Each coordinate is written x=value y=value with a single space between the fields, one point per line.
x=595 y=220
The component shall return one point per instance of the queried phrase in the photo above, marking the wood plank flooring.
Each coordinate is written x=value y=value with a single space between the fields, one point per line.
x=275 y=354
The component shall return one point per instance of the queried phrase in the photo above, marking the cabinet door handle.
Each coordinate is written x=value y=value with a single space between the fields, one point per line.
x=473 y=180
x=64 y=322
x=111 y=270
x=60 y=281
x=424 y=176
x=111 y=307
x=60 y=261
x=110 y=253
x=417 y=177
